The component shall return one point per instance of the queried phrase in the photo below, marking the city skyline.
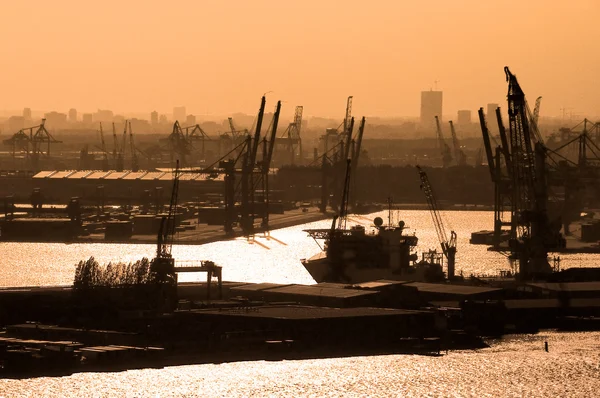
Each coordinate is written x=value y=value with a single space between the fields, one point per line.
x=390 y=52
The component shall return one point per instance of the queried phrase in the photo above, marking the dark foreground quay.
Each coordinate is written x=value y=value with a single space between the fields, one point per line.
x=60 y=330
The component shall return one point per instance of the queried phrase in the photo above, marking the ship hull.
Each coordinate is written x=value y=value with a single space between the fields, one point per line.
x=319 y=267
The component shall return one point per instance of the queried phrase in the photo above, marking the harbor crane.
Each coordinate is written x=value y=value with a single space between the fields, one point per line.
x=31 y=140
x=103 y=149
x=196 y=133
x=459 y=154
x=266 y=164
x=235 y=133
x=121 y=148
x=135 y=166
x=499 y=166
x=117 y=153
x=536 y=110
x=348 y=114
x=163 y=265
x=532 y=233
x=292 y=135
x=533 y=120
x=448 y=245
x=356 y=147
x=446 y=153
x=179 y=145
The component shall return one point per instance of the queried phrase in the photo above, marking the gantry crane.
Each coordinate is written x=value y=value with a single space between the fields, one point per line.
x=459 y=154
x=32 y=143
x=446 y=153
x=196 y=133
x=448 y=245
x=235 y=133
x=292 y=135
x=178 y=144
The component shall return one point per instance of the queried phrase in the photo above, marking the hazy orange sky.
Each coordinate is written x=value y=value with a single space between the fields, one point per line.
x=219 y=57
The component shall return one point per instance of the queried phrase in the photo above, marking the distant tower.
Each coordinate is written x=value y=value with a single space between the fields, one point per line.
x=27 y=113
x=179 y=113
x=190 y=120
x=154 y=118
x=72 y=115
x=162 y=119
x=463 y=117
x=431 y=106
x=87 y=118
x=490 y=116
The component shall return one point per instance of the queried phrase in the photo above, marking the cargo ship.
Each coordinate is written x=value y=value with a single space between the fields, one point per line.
x=353 y=255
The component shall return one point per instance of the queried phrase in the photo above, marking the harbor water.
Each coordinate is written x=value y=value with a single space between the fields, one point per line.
x=513 y=366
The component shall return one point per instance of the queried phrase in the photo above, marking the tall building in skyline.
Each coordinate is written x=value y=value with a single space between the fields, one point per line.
x=103 y=115
x=27 y=113
x=162 y=119
x=490 y=116
x=463 y=117
x=15 y=123
x=72 y=115
x=87 y=118
x=55 y=120
x=179 y=114
x=190 y=120
x=431 y=106
x=153 y=117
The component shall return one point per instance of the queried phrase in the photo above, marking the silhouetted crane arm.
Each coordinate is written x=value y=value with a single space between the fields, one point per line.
x=445 y=149
x=271 y=143
x=487 y=144
x=445 y=243
x=358 y=144
x=458 y=152
x=256 y=141
x=167 y=227
x=348 y=138
x=348 y=115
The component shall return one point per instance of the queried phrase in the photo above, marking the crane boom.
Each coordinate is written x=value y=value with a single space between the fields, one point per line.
x=115 y=142
x=232 y=127
x=348 y=139
x=348 y=115
x=298 y=119
x=256 y=141
x=358 y=144
x=503 y=140
x=487 y=144
x=167 y=226
x=343 y=215
x=461 y=158
x=448 y=245
x=271 y=143
x=536 y=110
x=104 y=154
x=446 y=153
x=134 y=159
x=533 y=118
